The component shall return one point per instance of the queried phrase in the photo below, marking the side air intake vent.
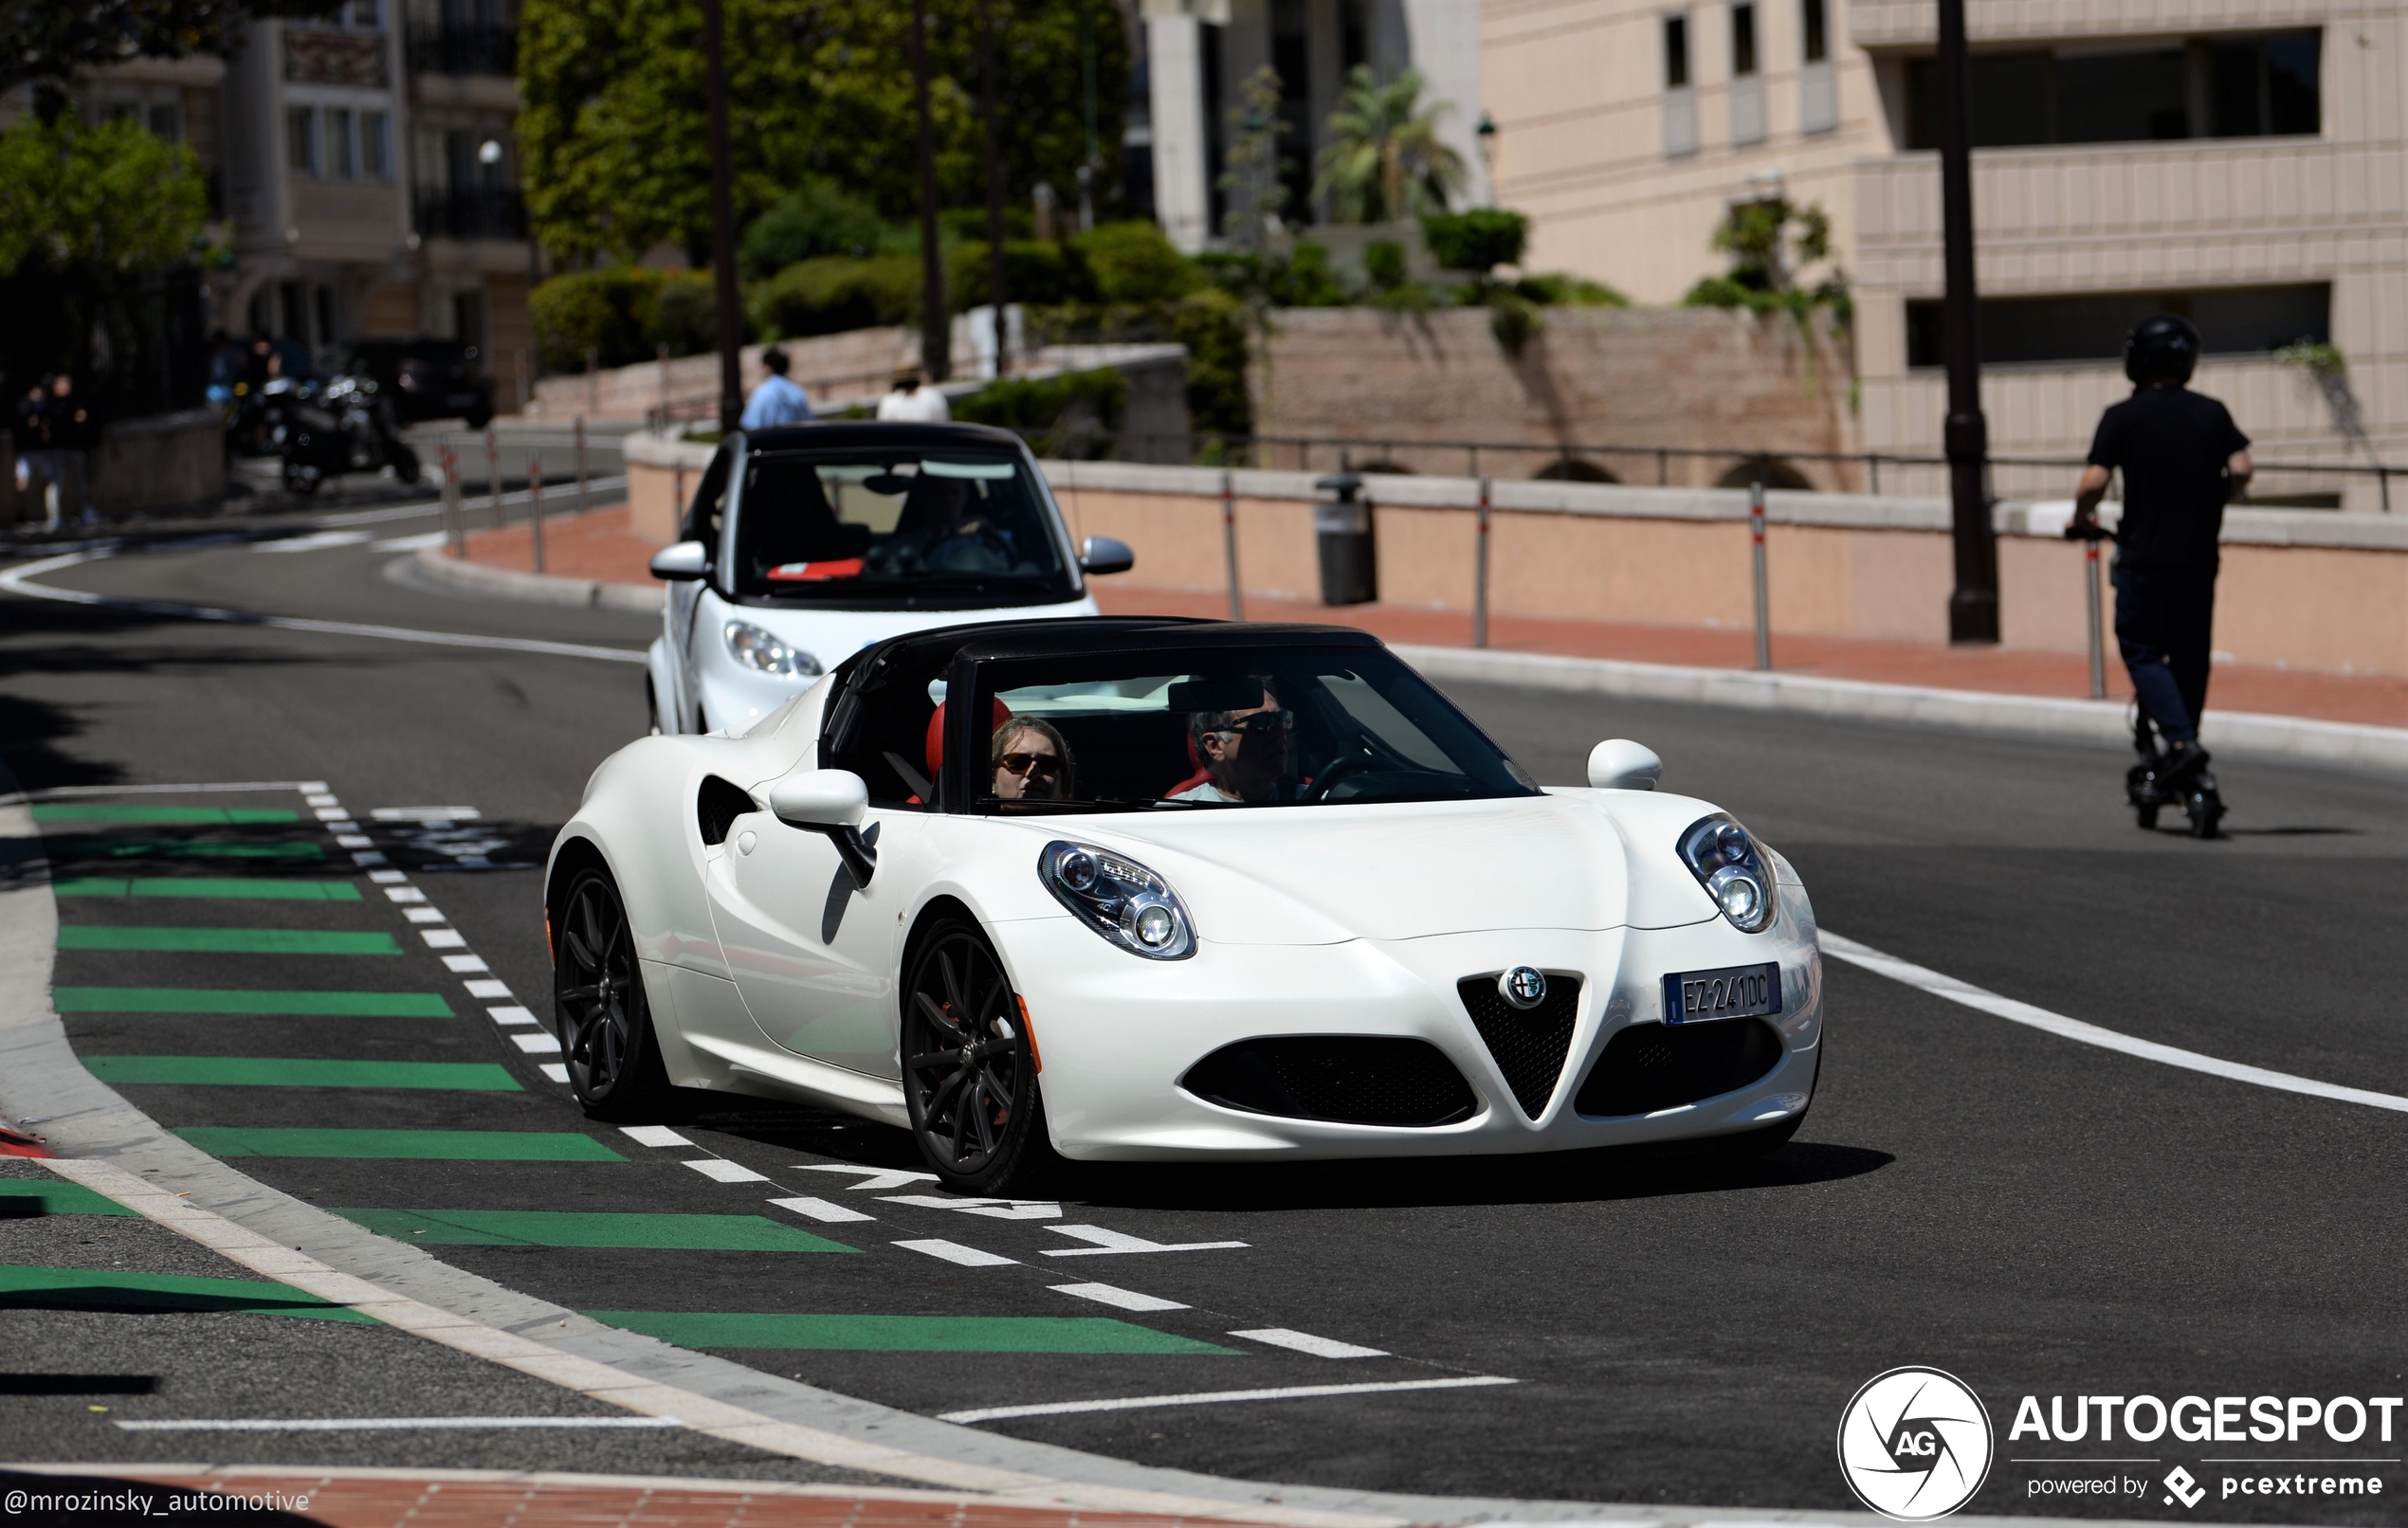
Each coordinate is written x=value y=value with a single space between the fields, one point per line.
x=719 y=802
x=1348 y=1079
x=1651 y=1066
x=1528 y=1044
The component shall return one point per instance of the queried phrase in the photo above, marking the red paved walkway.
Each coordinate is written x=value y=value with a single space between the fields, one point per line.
x=598 y=546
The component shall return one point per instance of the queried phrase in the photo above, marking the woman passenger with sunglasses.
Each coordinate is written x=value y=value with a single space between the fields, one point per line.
x=1031 y=761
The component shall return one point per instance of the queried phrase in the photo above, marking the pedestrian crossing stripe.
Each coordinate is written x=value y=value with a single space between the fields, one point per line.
x=246 y=1000
x=906 y=1333
x=226 y=942
x=31 y=1198
x=117 y=1291
x=270 y=1071
x=561 y=1227
x=221 y=816
x=208 y=886
x=402 y=1145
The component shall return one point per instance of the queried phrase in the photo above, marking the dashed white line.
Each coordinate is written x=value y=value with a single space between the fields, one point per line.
x=875 y=1179
x=969 y=1257
x=1216 y=1397
x=1111 y=1244
x=820 y=1209
x=444 y=938
x=720 y=1169
x=992 y=1209
x=1127 y=1300
x=641 y=1134
x=426 y=815
x=1320 y=1347
x=511 y=1013
x=541 y=1043
x=403 y=894
x=395 y=1424
x=423 y=915
x=483 y=987
x=391 y=878
x=555 y=1070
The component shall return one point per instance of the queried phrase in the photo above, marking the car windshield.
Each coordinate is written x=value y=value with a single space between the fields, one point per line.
x=958 y=524
x=1217 y=729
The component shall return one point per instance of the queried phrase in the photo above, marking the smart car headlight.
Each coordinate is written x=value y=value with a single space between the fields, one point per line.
x=765 y=652
x=1731 y=868
x=1119 y=899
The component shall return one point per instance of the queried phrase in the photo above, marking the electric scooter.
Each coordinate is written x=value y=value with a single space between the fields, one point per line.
x=2147 y=786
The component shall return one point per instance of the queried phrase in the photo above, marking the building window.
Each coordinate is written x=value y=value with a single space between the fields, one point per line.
x=1817 y=84
x=1680 y=101
x=2239 y=87
x=367 y=14
x=1810 y=27
x=301 y=139
x=2090 y=327
x=1742 y=41
x=340 y=162
x=1676 y=52
x=166 y=122
x=375 y=145
x=1747 y=87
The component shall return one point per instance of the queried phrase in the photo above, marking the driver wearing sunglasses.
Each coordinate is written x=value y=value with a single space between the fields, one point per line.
x=1031 y=761
x=1243 y=751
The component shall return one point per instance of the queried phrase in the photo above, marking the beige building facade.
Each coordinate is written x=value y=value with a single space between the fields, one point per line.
x=2244 y=162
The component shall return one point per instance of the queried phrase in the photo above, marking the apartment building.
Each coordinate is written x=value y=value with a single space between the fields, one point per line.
x=2242 y=161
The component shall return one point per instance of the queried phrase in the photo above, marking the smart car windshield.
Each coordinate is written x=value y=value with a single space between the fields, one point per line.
x=1224 y=728
x=949 y=526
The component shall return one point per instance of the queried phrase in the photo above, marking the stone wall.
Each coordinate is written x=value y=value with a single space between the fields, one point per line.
x=1696 y=378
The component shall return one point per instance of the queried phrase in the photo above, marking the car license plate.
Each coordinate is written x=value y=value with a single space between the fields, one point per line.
x=1731 y=993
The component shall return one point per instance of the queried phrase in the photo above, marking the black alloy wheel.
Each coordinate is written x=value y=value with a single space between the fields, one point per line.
x=970 y=1076
x=598 y=1006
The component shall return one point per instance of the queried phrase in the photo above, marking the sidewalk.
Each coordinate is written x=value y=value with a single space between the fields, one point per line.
x=599 y=547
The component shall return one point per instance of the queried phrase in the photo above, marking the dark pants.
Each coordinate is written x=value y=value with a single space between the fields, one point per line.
x=2164 y=620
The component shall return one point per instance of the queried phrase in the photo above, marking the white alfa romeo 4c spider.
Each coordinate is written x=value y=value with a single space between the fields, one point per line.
x=1142 y=889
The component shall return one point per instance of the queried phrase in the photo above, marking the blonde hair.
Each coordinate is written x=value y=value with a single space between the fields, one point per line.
x=1014 y=727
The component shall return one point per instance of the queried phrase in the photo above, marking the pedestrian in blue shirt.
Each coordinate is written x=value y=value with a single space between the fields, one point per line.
x=776 y=401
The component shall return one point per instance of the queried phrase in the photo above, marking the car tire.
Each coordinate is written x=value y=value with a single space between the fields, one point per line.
x=599 y=1008
x=652 y=708
x=970 y=1070
x=480 y=419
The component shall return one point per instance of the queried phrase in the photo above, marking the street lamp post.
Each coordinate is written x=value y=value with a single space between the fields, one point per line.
x=1973 y=609
x=731 y=332
x=936 y=359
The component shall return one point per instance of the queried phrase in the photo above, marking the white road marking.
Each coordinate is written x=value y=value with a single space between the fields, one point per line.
x=543 y=1042
x=330 y=814
x=403 y=894
x=487 y=988
x=1127 y=1300
x=62 y=792
x=1217 y=1397
x=1320 y=1347
x=444 y=938
x=720 y=1169
x=554 y=1070
x=410 y=543
x=465 y=963
x=424 y=814
x=879 y=1178
x=423 y=915
x=396 y=1424
x=512 y=1013
x=368 y=857
x=1108 y=1243
x=319 y=798
x=969 y=1257
x=994 y=1208
x=820 y=1209
x=318 y=542
x=347 y=836
x=2090 y=1034
x=388 y=878
x=650 y=1135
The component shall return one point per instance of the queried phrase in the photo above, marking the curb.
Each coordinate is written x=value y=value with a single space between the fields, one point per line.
x=430 y=564
x=2241 y=734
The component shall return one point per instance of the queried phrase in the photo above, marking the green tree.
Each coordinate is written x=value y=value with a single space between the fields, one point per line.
x=614 y=129
x=1384 y=160
x=817 y=217
x=44 y=42
x=1772 y=245
x=1252 y=182
x=108 y=198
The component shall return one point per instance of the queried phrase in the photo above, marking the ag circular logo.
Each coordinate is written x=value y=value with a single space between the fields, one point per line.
x=1915 y=1444
x=1524 y=985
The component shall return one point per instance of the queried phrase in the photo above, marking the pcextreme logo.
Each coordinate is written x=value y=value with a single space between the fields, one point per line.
x=1915 y=1444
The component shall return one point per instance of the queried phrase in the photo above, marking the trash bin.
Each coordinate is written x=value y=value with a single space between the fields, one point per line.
x=1349 y=560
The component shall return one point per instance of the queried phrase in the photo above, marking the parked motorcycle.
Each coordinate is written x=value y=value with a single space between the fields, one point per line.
x=322 y=431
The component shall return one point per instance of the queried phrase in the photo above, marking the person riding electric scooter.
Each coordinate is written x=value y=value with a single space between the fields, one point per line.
x=2183 y=459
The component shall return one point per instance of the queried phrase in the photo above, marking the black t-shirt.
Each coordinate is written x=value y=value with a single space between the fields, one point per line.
x=2172 y=445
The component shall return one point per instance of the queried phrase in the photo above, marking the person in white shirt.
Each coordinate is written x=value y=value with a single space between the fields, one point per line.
x=1244 y=751
x=914 y=402
x=776 y=401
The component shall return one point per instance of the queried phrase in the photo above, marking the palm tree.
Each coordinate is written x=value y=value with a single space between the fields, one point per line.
x=1384 y=160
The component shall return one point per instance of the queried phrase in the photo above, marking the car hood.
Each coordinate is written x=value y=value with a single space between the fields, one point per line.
x=1318 y=875
x=833 y=636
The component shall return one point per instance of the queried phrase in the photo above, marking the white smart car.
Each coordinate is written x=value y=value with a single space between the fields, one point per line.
x=1133 y=889
x=804 y=545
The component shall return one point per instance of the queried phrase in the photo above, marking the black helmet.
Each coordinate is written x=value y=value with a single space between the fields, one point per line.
x=2161 y=345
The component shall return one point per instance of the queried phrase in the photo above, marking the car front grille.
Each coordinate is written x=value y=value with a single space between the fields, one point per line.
x=1355 y=1080
x=1528 y=1044
x=1651 y=1066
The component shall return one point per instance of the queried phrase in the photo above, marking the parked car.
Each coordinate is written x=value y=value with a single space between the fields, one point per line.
x=803 y=545
x=427 y=378
x=977 y=884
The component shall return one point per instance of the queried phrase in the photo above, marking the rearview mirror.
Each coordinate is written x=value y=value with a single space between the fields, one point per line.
x=1103 y=555
x=1620 y=764
x=832 y=802
x=682 y=563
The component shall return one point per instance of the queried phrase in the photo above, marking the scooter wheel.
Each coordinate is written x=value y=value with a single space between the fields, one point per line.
x=2206 y=810
x=2146 y=816
x=405 y=463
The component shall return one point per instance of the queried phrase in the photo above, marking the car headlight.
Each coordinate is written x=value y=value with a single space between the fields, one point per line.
x=1119 y=899
x=1728 y=864
x=763 y=651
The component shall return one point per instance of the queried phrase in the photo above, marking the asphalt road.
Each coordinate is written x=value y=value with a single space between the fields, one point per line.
x=2035 y=1215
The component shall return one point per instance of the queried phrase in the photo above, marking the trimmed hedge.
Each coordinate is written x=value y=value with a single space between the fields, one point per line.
x=835 y=293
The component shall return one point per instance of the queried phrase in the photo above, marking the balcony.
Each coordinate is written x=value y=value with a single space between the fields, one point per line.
x=467 y=48
x=471 y=215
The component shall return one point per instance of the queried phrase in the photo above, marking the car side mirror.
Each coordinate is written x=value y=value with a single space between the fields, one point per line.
x=682 y=563
x=1620 y=764
x=832 y=802
x=1103 y=555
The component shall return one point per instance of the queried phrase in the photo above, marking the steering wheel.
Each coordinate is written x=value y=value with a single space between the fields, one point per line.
x=1351 y=765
